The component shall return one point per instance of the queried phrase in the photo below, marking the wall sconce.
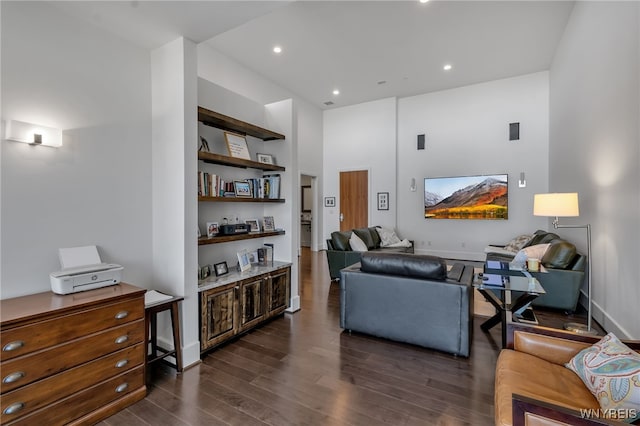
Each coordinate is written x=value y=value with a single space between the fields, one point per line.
x=412 y=186
x=33 y=134
x=522 y=182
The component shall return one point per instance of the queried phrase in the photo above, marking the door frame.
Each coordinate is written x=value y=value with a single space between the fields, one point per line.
x=316 y=211
x=355 y=169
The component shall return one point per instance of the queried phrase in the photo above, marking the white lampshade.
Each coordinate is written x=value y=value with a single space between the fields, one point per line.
x=556 y=204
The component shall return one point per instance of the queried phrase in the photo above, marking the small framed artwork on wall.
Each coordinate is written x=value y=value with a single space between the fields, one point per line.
x=329 y=201
x=383 y=201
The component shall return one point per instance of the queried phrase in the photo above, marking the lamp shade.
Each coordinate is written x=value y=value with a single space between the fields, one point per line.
x=563 y=204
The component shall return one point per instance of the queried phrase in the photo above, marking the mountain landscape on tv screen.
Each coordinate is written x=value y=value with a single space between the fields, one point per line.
x=484 y=200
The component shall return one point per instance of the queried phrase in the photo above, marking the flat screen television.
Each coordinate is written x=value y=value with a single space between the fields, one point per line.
x=466 y=197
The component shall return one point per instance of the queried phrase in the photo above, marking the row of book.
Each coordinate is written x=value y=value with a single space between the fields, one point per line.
x=212 y=185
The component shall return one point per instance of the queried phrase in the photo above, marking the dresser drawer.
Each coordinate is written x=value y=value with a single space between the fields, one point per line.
x=46 y=391
x=30 y=338
x=61 y=357
x=81 y=403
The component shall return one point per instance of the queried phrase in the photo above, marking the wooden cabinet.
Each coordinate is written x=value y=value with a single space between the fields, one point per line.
x=76 y=358
x=240 y=305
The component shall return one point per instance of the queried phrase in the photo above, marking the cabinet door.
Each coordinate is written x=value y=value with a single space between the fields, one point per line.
x=251 y=302
x=278 y=292
x=218 y=316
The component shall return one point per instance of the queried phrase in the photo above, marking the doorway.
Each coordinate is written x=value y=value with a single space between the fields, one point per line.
x=309 y=218
x=354 y=199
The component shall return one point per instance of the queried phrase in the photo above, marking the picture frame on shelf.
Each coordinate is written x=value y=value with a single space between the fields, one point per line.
x=329 y=201
x=383 y=201
x=268 y=224
x=221 y=269
x=204 y=145
x=205 y=271
x=265 y=159
x=254 y=225
x=253 y=256
x=212 y=229
x=242 y=188
x=237 y=146
x=243 y=260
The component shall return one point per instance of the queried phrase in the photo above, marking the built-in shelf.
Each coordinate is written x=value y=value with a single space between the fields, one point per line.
x=221 y=121
x=237 y=237
x=210 y=157
x=241 y=199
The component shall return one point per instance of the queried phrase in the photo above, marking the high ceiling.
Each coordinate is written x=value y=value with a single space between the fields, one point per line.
x=366 y=49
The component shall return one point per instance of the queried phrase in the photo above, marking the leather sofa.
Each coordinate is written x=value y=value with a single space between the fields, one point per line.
x=565 y=271
x=532 y=385
x=339 y=252
x=409 y=298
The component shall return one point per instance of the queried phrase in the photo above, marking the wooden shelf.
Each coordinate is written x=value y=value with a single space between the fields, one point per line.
x=221 y=121
x=237 y=237
x=241 y=199
x=210 y=157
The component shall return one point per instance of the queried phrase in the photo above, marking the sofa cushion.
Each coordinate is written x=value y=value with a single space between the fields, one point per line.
x=375 y=236
x=559 y=255
x=611 y=371
x=541 y=237
x=365 y=235
x=387 y=236
x=356 y=243
x=518 y=243
x=340 y=240
x=404 y=264
x=528 y=375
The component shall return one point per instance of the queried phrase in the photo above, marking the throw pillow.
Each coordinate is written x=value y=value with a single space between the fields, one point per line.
x=559 y=255
x=517 y=243
x=375 y=237
x=365 y=236
x=340 y=240
x=536 y=252
x=356 y=243
x=611 y=371
x=387 y=236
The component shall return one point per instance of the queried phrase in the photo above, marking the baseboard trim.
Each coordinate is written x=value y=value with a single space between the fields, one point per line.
x=604 y=318
x=294 y=305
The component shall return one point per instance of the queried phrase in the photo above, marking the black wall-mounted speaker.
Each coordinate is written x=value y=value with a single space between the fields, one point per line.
x=514 y=131
x=420 y=141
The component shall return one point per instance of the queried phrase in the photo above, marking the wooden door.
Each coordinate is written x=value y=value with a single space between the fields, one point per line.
x=251 y=302
x=278 y=292
x=354 y=200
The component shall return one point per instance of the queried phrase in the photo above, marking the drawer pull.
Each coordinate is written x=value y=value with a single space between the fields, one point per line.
x=12 y=346
x=122 y=339
x=122 y=314
x=122 y=363
x=13 y=377
x=121 y=388
x=13 y=408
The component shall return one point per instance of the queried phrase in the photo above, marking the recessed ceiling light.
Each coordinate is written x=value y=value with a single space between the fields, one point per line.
x=277 y=49
x=447 y=67
x=336 y=92
x=382 y=82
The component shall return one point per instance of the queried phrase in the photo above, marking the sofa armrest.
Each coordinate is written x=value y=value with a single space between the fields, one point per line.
x=551 y=344
x=532 y=412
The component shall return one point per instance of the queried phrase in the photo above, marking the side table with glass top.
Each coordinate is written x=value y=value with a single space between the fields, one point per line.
x=492 y=285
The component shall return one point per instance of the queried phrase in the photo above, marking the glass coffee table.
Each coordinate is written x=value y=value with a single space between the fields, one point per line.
x=497 y=289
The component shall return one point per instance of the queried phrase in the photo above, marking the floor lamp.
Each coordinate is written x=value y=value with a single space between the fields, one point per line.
x=566 y=205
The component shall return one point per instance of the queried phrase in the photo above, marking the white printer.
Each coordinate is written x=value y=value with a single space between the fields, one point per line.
x=83 y=270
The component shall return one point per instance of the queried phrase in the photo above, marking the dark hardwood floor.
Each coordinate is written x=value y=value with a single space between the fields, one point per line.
x=303 y=369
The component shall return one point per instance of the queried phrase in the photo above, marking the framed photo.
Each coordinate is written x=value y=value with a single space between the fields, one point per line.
x=205 y=271
x=265 y=158
x=254 y=225
x=253 y=256
x=243 y=260
x=329 y=201
x=237 y=146
x=268 y=224
x=383 y=201
x=212 y=229
x=221 y=268
x=242 y=188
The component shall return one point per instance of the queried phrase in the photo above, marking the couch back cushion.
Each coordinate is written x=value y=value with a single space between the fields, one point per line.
x=365 y=235
x=559 y=255
x=404 y=264
x=541 y=237
x=375 y=236
x=340 y=240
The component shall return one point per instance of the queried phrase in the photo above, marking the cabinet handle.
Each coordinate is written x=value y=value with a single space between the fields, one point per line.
x=122 y=339
x=122 y=314
x=13 y=408
x=12 y=346
x=13 y=377
x=122 y=363
x=121 y=388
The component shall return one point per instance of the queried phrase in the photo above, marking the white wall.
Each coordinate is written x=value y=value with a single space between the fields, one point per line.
x=360 y=137
x=595 y=149
x=467 y=133
x=60 y=72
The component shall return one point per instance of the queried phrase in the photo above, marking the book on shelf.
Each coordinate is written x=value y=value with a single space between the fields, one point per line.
x=212 y=185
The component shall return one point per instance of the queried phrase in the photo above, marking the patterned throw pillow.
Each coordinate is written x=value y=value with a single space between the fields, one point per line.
x=356 y=243
x=611 y=371
x=517 y=243
x=387 y=237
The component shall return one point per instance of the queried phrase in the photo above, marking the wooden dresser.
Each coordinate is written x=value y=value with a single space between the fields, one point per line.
x=76 y=359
